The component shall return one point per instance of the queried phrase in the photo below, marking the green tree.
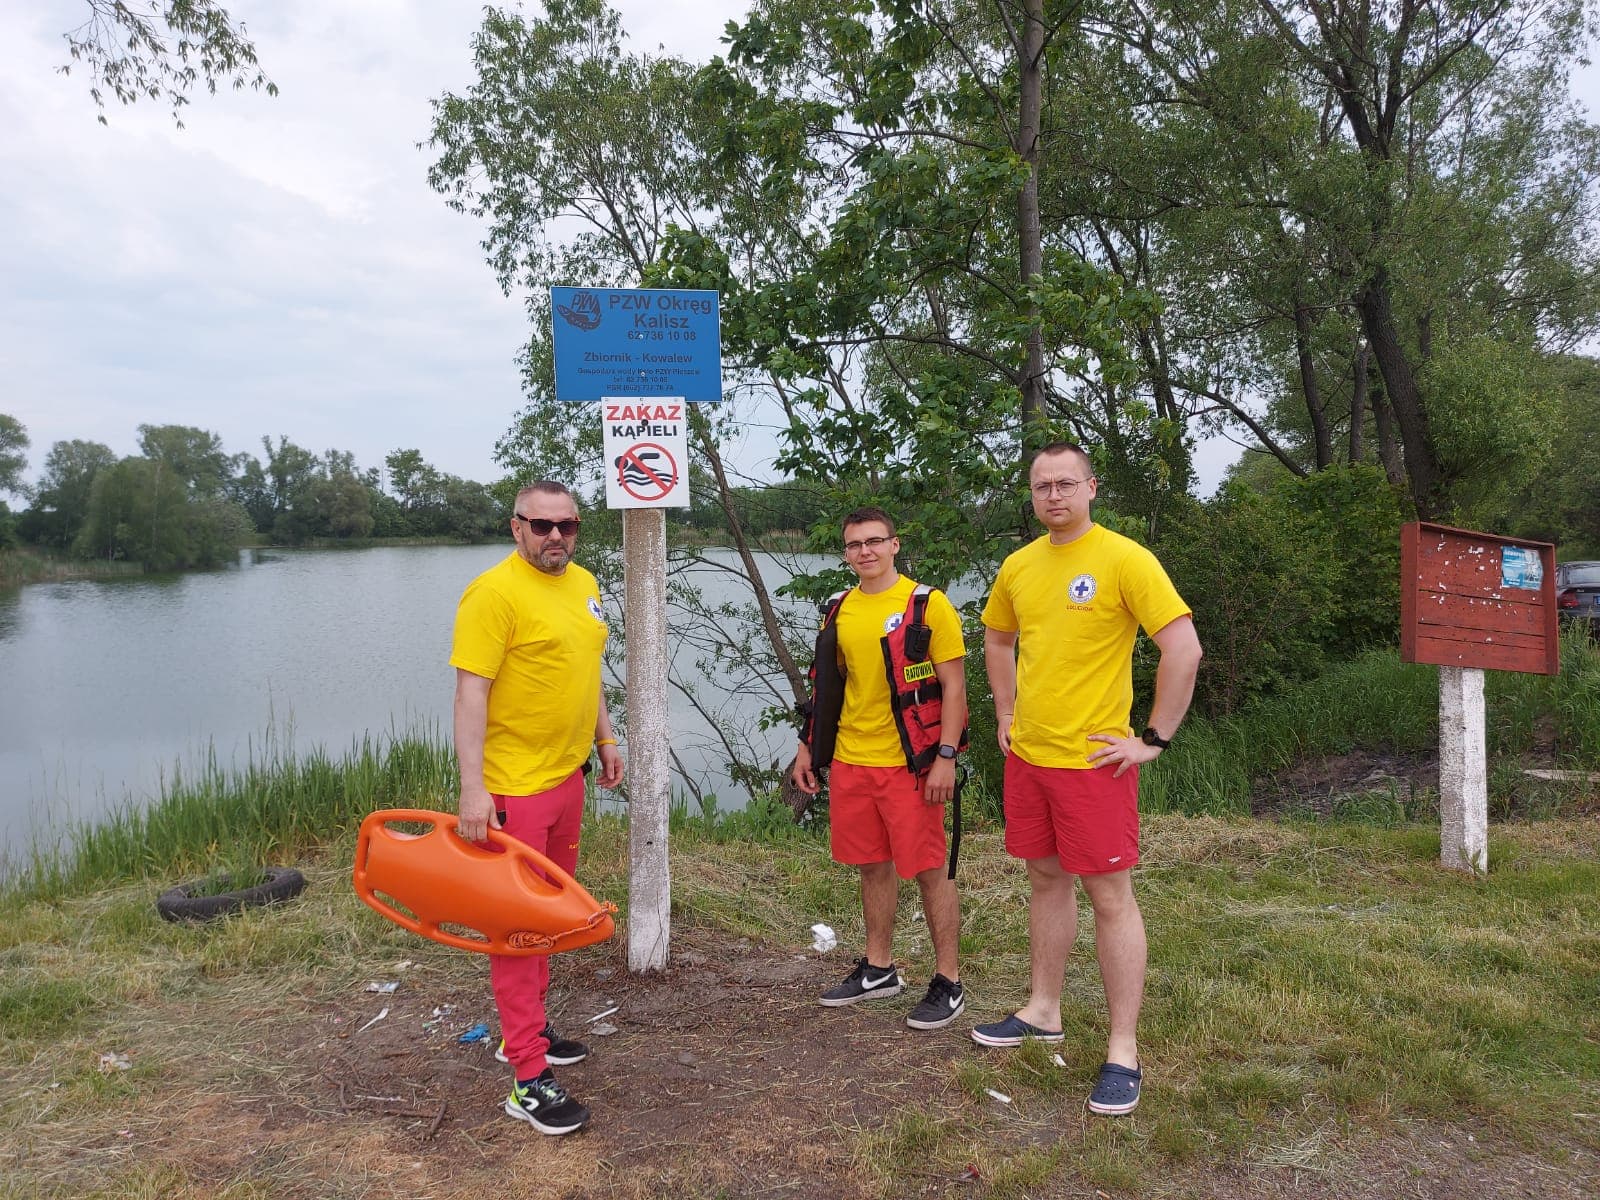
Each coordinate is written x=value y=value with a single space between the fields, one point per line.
x=1261 y=592
x=249 y=487
x=1561 y=504
x=562 y=123
x=140 y=510
x=1355 y=210
x=917 y=317
x=868 y=260
x=61 y=497
x=13 y=460
x=159 y=49
x=339 y=507
x=418 y=487
x=195 y=456
x=470 y=513
x=287 y=479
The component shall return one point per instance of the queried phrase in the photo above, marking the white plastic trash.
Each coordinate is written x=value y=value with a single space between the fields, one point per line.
x=825 y=938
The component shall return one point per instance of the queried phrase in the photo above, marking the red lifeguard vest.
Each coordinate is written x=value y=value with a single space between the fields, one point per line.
x=916 y=699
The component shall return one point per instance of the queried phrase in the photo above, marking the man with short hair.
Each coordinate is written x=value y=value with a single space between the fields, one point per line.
x=891 y=741
x=529 y=633
x=1074 y=600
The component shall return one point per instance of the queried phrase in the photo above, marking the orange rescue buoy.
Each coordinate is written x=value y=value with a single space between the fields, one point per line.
x=432 y=883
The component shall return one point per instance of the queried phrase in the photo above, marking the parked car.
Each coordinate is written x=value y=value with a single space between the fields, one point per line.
x=1578 y=593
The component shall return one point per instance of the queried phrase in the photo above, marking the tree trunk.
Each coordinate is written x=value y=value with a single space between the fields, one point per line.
x=1405 y=400
x=769 y=617
x=1309 y=387
x=1359 y=387
x=1388 y=446
x=1030 y=251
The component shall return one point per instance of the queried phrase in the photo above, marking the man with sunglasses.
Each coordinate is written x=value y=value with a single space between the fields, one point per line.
x=900 y=701
x=529 y=633
x=1073 y=601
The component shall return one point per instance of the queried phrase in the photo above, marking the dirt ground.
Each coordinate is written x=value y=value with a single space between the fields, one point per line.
x=723 y=1078
x=1316 y=786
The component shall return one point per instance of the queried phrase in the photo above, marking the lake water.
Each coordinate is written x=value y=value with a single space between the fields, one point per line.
x=105 y=685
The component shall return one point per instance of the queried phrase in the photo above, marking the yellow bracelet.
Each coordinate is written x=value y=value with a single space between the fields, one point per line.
x=604 y=742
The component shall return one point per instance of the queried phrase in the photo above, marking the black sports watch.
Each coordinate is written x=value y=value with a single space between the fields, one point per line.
x=1151 y=738
x=947 y=751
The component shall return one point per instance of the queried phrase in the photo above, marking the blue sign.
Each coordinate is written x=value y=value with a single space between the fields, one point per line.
x=626 y=342
x=1520 y=567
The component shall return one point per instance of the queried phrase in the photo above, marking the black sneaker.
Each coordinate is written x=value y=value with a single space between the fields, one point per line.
x=545 y=1105
x=562 y=1052
x=940 y=1006
x=866 y=982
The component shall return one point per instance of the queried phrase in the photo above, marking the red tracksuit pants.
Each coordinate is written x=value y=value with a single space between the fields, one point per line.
x=549 y=822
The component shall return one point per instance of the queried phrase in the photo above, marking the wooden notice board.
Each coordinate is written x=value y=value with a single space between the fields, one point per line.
x=1477 y=600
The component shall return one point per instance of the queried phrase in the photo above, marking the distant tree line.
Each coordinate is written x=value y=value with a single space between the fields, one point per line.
x=184 y=501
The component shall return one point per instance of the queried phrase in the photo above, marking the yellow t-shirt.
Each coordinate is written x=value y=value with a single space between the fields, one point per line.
x=1076 y=610
x=539 y=638
x=867 y=736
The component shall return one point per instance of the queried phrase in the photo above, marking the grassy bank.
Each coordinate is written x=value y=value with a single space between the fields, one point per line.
x=33 y=564
x=1325 y=1004
x=1377 y=702
x=278 y=806
x=1321 y=997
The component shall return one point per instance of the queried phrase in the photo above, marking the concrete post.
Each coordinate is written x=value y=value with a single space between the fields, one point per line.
x=1463 y=771
x=644 y=554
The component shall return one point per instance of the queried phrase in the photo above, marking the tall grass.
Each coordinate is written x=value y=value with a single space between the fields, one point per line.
x=280 y=804
x=1374 y=702
x=270 y=810
x=34 y=564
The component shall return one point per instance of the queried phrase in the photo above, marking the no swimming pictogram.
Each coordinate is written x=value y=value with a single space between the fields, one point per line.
x=646 y=452
x=646 y=471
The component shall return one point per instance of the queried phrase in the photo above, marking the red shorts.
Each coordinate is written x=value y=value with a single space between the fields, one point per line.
x=876 y=814
x=1087 y=818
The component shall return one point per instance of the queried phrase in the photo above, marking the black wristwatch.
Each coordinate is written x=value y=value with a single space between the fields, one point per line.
x=947 y=751
x=1151 y=738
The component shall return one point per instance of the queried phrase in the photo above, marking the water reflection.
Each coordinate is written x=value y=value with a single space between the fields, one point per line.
x=10 y=620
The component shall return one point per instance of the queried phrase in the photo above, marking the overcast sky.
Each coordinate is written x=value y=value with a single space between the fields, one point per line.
x=279 y=266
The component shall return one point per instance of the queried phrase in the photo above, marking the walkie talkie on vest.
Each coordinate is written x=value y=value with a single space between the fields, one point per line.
x=919 y=639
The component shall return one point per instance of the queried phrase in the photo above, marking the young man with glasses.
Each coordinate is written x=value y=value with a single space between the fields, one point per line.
x=891 y=745
x=528 y=707
x=1074 y=600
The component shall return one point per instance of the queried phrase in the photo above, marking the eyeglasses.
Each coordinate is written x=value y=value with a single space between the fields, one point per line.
x=1046 y=488
x=871 y=543
x=539 y=527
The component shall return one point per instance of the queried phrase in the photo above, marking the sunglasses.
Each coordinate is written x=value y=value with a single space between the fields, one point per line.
x=539 y=527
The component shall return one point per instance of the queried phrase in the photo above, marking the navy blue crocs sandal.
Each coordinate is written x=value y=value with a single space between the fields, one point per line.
x=1117 y=1092
x=1013 y=1031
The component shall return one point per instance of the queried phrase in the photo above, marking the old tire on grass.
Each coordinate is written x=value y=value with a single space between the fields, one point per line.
x=179 y=903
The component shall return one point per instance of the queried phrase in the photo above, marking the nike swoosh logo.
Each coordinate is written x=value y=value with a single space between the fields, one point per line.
x=878 y=982
x=954 y=1002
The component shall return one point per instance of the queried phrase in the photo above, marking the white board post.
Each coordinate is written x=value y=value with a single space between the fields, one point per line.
x=1463 y=771
x=644 y=553
x=644 y=354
